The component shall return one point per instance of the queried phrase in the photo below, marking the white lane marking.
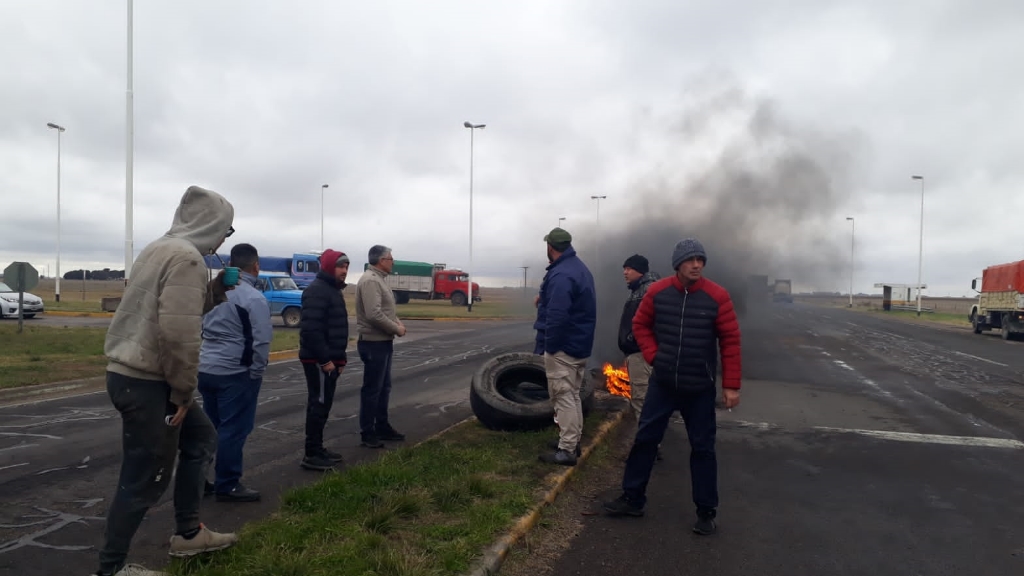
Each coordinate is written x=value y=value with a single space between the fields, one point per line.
x=974 y=441
x=842 y=364
x=979 y=358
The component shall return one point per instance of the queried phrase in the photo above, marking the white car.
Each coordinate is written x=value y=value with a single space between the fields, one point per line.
x=9 y=303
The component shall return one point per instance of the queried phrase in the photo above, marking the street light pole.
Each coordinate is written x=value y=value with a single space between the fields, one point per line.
x=853 y=233
x=560 y=218
x=597 y=244
x=59 y=129
x=129 y=226
x=469 y=273
x=920 y=246
x=322 y=188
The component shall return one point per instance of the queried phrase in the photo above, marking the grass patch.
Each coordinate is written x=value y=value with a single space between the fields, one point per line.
x=44 y=354
x=416 y=511
x=937 y=317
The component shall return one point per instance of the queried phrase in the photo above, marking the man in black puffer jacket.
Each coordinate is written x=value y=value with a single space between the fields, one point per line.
x=323 y=338
x=636 y=271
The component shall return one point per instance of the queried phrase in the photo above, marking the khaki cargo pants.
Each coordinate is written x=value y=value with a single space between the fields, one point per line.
x=639 y=376
x=565 y=378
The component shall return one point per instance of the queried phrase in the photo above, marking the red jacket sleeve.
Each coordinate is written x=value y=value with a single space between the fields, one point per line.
x=643 y=325
x=728 y=330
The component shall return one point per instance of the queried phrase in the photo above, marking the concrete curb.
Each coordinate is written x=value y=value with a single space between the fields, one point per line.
x=25 y=392
x=74 y=314
x=495 y=555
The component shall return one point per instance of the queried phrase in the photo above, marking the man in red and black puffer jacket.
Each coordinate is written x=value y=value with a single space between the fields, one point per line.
x=680 y=323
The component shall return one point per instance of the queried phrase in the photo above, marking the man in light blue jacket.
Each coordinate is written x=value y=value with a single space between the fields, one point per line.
x=236 y=346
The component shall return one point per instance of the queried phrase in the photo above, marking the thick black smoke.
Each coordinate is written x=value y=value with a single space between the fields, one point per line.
x=764 y=201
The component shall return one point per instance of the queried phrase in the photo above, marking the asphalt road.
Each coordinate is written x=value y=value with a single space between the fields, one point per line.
x=59 y=459
x=863 y=445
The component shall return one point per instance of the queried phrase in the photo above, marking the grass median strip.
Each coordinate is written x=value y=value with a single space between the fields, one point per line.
x=44 y=354
x=426 y=510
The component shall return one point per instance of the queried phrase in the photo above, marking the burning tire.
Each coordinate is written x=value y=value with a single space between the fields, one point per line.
x=510 y=392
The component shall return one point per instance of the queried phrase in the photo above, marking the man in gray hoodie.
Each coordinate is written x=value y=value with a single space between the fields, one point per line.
x=153 y=350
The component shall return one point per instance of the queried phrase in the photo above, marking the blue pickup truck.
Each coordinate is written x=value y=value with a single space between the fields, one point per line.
x=283 y=295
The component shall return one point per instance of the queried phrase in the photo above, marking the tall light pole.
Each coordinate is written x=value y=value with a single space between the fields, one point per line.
x=560 y=218
x=129 y=226
x=469 y=273
x=853 y=232
x=323 y=187
x=597 y=244
x=59 y=129
x=920 y=245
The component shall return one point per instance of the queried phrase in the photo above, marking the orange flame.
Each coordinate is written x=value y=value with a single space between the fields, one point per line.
x=617 y=380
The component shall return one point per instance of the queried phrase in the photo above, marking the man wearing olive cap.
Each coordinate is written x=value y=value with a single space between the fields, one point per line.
x=566 y=318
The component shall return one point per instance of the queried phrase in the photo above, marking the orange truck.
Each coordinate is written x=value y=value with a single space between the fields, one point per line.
x=1000 y=300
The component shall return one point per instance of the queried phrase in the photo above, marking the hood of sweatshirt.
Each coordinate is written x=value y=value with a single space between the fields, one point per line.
x=202 y=218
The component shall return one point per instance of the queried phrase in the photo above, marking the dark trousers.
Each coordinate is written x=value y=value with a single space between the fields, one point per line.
x=150 y=446
x=376 y=391
x=698 y=412
x=321 y=388
x=230 y=403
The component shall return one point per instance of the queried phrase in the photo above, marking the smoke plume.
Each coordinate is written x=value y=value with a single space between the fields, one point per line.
x=761 y=193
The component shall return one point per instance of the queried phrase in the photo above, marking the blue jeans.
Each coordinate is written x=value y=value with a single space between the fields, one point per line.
x=230 y=402
x=376 y=390
x=698 y=412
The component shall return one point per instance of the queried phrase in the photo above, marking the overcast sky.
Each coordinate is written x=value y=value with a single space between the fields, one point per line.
x=265 y=101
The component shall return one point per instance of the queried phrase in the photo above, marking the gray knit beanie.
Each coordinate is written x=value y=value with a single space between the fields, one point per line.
x=686 y=249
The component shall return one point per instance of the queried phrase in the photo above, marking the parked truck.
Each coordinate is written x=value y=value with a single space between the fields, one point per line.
x=300 y=267
x=1000 y=300
x=283 y=296
x=424 y=281
x=783 y=291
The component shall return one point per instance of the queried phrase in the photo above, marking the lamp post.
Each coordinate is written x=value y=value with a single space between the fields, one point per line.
x=853 y=232
x=469 y=273
x=597 y=244
x=59 y=129
x=560 y=218
x=322 y=188
x=920 y=245
x=129 y=226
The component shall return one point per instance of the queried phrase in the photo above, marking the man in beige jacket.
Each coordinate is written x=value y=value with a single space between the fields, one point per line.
x=378 y=324
x=153 y=350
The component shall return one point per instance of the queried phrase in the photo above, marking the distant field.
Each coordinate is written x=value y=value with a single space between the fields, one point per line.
x=79 y=296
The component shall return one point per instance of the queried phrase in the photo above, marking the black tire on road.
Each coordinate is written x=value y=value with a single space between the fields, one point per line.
x=510 y=392
x=291 y=317
x=458 y=299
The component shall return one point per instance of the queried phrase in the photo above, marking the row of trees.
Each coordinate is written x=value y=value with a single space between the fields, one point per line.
x=105 y=274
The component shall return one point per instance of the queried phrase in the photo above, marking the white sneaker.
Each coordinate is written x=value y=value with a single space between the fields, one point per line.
x=206 y=541
x=137 y=570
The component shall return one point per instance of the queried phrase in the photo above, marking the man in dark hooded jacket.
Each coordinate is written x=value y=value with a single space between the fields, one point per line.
x=566 y=318
x=323 y=340
x=636 y=271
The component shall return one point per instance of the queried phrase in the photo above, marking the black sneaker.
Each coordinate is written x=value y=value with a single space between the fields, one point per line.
x=705 y=526
x=563 y=457
x=389 y=434
x=371 y=441
x=318 y=462
x=554 y=446
x=208 y=488
x=239 y=494
x=622 y=507
x=333 y=456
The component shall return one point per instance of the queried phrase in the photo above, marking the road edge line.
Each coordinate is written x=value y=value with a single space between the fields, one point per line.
x=495 y=555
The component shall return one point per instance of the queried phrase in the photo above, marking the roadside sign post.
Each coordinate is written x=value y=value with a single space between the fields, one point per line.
x=21 y=276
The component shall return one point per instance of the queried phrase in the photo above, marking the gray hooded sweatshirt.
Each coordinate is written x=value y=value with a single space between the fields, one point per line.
x=156 y=332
